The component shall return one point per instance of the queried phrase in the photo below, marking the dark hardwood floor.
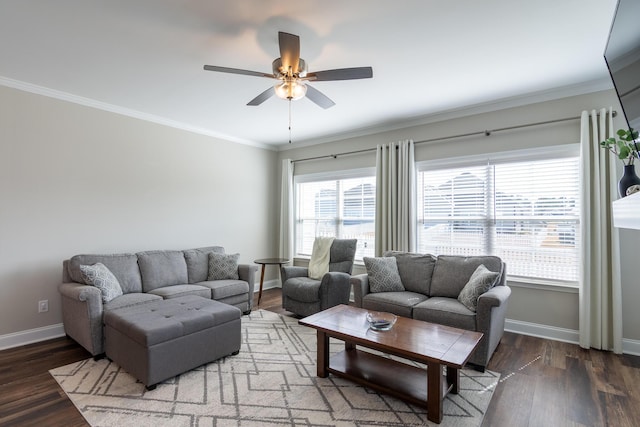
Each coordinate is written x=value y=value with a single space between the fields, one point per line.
x=544 y=383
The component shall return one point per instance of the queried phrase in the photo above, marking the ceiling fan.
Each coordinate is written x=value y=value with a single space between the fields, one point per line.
x=291 y=72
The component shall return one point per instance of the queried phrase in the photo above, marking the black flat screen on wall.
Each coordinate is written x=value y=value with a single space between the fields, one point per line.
x=622 y=55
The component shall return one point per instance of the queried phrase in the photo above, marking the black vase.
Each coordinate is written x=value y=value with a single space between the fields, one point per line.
x=628 y=179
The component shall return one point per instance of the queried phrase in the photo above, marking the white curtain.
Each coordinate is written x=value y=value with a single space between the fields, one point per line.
x=600 y=285
x=395 y=197
x=285 y=249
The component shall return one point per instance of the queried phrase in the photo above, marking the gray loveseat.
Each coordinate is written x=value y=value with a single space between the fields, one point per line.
x=432 y=285
x=145 y=277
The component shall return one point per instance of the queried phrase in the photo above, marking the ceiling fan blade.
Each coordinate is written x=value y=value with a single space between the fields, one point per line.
x=237 y=71
x=319 y=98
x=341 y=74
x=289 y=51
x=262 y=97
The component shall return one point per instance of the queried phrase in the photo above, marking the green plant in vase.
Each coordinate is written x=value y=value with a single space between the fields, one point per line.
x=626 y=149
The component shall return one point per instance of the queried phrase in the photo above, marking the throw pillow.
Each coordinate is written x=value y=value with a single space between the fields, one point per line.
x=383 y=274
x=223 y=266
x=101 y=277
x=480 y=282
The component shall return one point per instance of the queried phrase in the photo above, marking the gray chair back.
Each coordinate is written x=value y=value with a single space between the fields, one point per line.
x=343 y=252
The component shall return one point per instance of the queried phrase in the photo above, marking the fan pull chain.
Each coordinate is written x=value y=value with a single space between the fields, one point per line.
x=289 y=120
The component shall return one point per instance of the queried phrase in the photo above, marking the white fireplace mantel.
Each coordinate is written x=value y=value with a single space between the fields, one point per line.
x=626 y=212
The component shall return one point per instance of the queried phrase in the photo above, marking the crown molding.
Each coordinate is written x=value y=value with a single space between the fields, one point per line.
x=92 y=103
x=456 y=113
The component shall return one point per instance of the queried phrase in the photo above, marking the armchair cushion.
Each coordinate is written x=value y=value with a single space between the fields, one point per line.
x=383 y=274
x=102 y=278
x=223 y=266
x=303 y=289
x=480 y=282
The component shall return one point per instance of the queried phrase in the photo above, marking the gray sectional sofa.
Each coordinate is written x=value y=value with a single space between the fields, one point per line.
x=145 y=277
x=431 y=289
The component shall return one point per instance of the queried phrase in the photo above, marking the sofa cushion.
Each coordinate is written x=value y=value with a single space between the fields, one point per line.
x=480 y=282
x=445 y=311
x=198 y=262
x=223 y=266
x=123 y=266
x=99 y=276
x=162 y=268
x=175 y=291
x=400 y=303
x=130 y=299
x=452 y=272
x=415 y=270
x=221 y=289
x=383 y=274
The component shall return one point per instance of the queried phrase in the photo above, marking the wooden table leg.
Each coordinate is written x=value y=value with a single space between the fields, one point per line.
x=261 y=282
x=323 y=354
x=453 y=379
x=434 y=392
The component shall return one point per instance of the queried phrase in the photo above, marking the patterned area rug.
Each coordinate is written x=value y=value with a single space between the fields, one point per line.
x=271 y=382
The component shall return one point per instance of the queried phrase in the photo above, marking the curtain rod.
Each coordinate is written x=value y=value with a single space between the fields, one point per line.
x=444 y=138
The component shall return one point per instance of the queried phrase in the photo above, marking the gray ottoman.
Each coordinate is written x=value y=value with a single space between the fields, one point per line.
x=158 y=340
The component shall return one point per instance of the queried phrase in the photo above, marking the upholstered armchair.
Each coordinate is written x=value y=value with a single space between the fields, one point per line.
x=305 y=296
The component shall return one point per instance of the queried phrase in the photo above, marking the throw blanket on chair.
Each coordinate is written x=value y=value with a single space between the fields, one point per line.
x=320 y=255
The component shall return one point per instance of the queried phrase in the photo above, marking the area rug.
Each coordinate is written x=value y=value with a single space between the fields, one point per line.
x=271 y=382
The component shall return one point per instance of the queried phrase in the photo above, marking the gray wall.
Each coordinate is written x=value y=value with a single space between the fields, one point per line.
x=533 y=308
x=75 y=179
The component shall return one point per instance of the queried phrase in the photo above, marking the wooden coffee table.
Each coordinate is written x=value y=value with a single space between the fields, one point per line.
x=428 y=343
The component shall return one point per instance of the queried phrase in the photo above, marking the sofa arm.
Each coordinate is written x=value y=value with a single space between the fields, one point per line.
x=490 y=317
x=288 y=271
x=247 y=272
x=360 y=285
x=80 y=292
x=82 y=315
x=494 y=297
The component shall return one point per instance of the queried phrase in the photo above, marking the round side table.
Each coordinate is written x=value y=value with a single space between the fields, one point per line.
x=268 y=261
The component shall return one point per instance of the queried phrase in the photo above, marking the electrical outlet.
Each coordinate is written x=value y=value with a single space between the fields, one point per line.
x=43 y=306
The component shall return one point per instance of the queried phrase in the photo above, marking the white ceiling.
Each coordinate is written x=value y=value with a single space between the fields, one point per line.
x=145 y=58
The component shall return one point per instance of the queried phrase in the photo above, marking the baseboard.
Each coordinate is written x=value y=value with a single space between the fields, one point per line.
x=268 y=284
x=631 y=347
x=572 y=336
x=31 y=336
x=542 y=331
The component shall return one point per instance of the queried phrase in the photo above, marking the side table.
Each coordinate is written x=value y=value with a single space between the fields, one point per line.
x=268 y=261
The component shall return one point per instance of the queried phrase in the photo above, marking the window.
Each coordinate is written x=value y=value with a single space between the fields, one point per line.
x=342 y=208
x=523 y=207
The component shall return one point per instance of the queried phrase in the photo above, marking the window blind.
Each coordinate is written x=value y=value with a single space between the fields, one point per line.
x=342 y=208
x=524 y=211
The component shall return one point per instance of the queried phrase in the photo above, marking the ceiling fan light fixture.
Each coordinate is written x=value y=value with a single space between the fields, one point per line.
x=291 y=89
